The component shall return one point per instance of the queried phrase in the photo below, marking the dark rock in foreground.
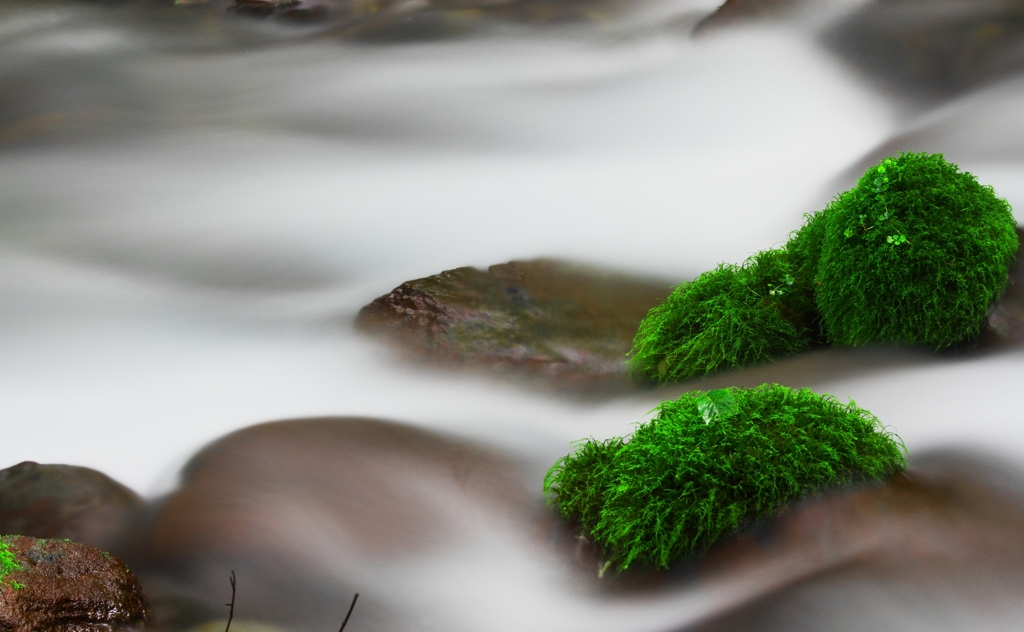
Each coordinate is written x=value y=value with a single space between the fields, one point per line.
x=568 y=323
x=65 y=501
x=68 y=586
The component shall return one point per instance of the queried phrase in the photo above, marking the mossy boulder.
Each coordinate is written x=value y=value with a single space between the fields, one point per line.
x=730 y=317
x=916 y=253
x=710 y=463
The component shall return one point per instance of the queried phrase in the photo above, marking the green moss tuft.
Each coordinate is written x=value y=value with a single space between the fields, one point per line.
x=709 y=463
x=915 y=253
x=804 y=252
x=8 y=563
x=730 y=317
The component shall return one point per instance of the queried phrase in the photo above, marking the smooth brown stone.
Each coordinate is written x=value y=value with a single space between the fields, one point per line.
x=569 y=325
x=66 y=501
x=276 y=501
x=68 y=587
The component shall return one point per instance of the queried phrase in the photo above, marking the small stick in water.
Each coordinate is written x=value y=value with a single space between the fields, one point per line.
x=231 y=613
x=345 y=622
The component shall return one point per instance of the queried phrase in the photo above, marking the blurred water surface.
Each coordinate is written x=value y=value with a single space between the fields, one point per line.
x=193 y=209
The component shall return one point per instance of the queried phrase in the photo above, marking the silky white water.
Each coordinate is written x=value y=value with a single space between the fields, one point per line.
x=187 y=235
x=162 y=287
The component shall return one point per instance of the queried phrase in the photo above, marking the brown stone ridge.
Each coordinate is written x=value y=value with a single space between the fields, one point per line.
x=70 y=587
x=550 y=318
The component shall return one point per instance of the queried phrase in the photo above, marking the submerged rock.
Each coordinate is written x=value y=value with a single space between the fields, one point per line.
x=933 y=49
x=65 y=501
x=64 y=585
x=567 y=323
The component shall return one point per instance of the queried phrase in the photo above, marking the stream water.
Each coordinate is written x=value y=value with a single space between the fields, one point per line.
x=192 y=213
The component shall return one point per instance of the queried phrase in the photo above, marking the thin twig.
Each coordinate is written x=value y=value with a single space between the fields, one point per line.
x=231 y=613
x=345 y=622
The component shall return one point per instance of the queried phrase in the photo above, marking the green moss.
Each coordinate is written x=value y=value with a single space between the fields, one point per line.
x=709 y=463
x=8 y=563
x=730 y=317
x=915 y=253
x=804 y=252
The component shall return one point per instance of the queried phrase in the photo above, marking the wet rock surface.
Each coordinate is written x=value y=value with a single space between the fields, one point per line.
x=68 y=586
x=939 y=548
x=307 y=512
x=563 y=322
x=933 y=50
x=65 y=501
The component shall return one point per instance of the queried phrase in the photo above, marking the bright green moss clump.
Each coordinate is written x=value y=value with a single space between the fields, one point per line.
x=709 y=463
x=730 y=317
x=915 y=253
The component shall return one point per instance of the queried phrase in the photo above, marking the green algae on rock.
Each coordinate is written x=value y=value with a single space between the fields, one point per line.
x=916 y=253
x=568 y=323
x=689 y=478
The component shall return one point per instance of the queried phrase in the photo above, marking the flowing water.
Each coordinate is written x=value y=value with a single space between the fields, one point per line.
x=192 y=211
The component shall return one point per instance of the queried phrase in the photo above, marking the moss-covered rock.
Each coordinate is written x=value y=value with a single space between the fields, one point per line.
x=708 y=463
x=916 y=253
x=730 y=317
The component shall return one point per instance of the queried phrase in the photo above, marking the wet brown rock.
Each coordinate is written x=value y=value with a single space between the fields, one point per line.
x=567 y=323
x=65 y=501
x=298 y=507
x=69 y=587
x=934 y=50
